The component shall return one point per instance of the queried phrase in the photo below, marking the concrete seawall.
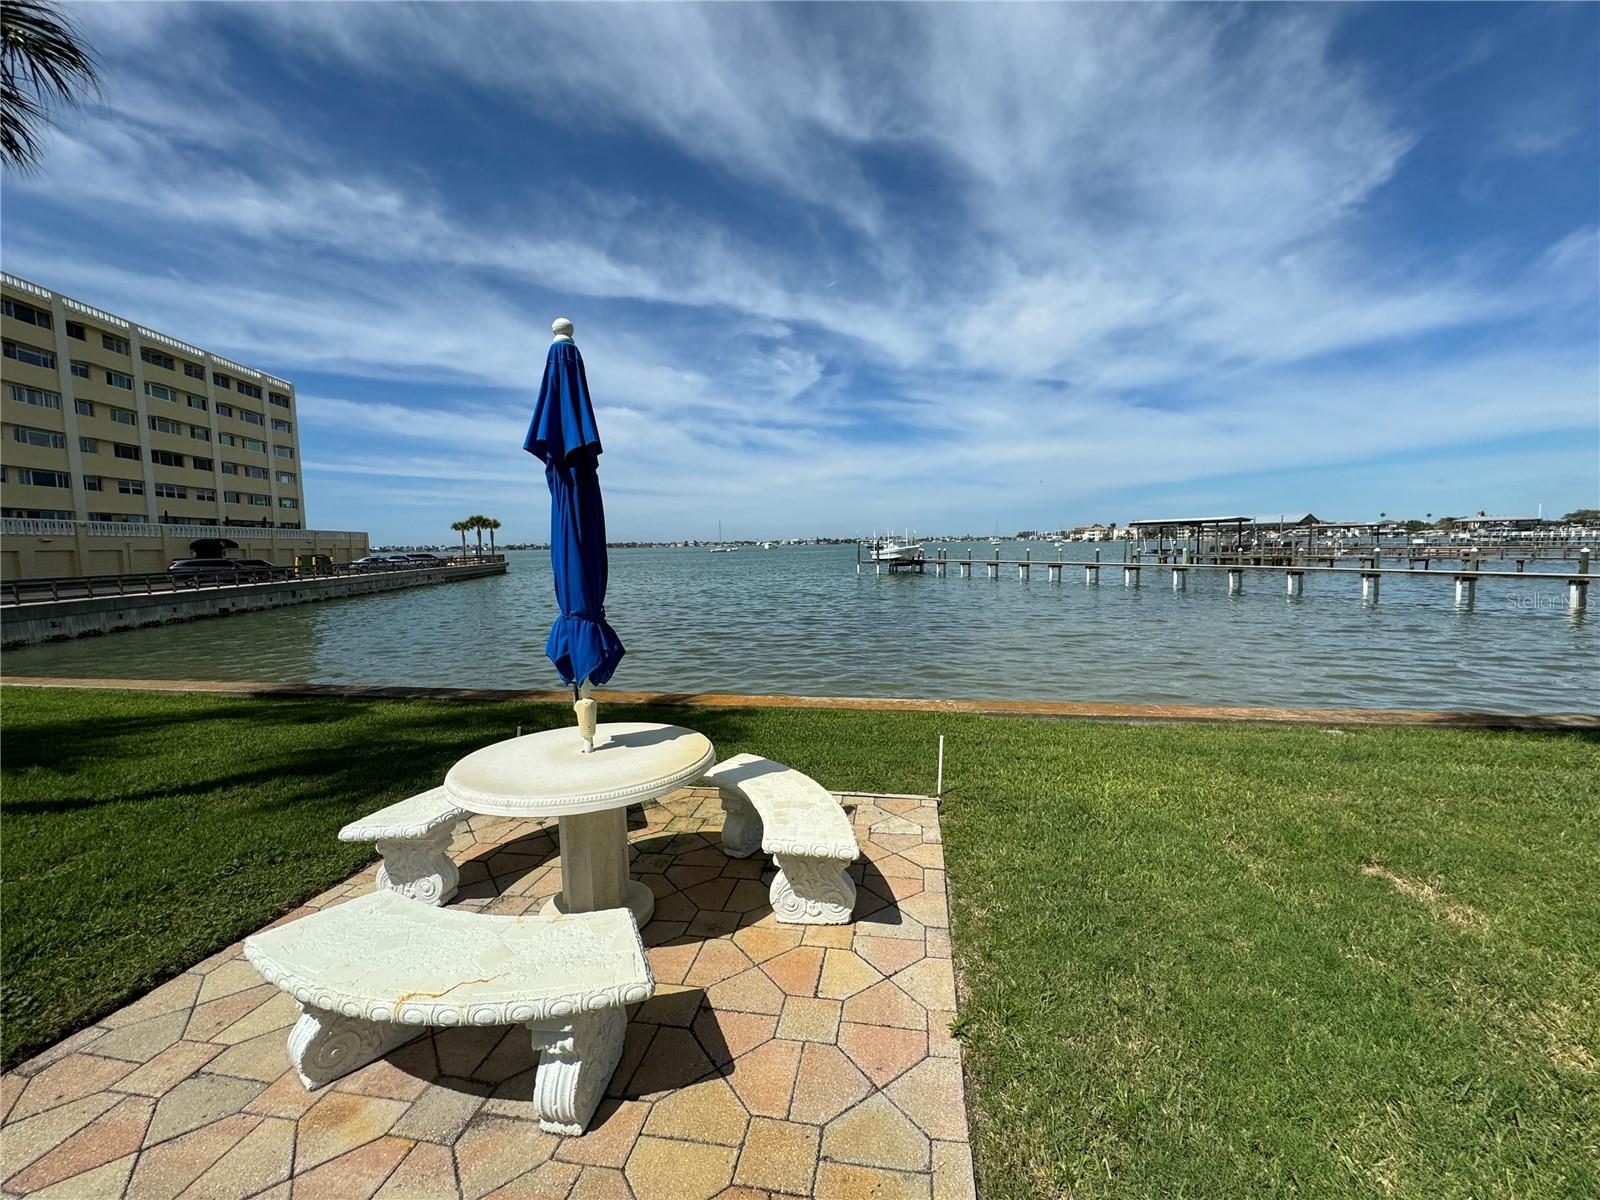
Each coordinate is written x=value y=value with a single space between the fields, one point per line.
x=59 y=620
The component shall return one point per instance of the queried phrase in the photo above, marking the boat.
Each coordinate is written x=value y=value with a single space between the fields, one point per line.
x=722 y=547
x=896 y=550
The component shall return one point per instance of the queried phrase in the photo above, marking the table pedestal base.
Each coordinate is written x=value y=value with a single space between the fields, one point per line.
x=641 y=901
x=594 y=867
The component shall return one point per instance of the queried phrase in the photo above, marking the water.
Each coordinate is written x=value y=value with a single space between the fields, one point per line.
x=798 y=620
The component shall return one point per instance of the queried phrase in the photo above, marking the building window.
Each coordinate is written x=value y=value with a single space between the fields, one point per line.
x=227 y=439
x=251 y=418
x=83 y=408
x=202 y=464
x=161 y=392
x=224 y=410
x=283 y=451
x=200 y=432
x=194 y=370
x=118 y=380
x=121 y=518
x=221 y=380
x=76 y=331
x=26 y=313
x=205 y=494
x=284 y=476
x=91 y=483
x=288 y=502
x=166 y=458
x=260 y=501
x=281 y=426
x=278 y=398
x=197 y=402
x=172 y=491
x=255 y=444
x=32 y=355
x=230 y=497
x=38 y=478
x=37 y=397
x=40 y=514
x=123 y=416
x=88 y=445
x=247 y=389
x=123 y=450
x=229 y=468
x=46 y=438
x=112 y=342
x=162 y=425
x=80 y=369
x=256 y=472
x=130 y=487
x=157 y=359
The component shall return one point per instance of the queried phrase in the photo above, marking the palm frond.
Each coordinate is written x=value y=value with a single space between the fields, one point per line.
x=44 y=64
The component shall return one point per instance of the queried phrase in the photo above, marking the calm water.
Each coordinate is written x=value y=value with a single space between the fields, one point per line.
x=799 y=620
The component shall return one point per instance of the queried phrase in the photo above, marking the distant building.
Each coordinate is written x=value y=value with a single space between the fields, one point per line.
x=107 y=421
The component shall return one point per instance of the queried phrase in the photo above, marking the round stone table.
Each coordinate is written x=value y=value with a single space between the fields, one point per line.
x=548 y=775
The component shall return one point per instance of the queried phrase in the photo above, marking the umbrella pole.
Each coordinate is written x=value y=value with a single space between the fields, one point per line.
x=585 y=709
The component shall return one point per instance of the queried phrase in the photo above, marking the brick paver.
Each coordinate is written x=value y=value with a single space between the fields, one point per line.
x=774 y=1060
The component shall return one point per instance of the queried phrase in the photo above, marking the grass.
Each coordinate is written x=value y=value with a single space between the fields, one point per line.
x=1198 y=960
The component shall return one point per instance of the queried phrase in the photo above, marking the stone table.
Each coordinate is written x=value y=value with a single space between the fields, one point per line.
x=548 y=774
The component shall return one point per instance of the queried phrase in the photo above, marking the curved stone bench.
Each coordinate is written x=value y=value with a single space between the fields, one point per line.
x=375 y=972
x=414 y=838
x=796 y=820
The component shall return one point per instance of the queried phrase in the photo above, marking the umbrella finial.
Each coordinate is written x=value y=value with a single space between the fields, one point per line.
x=562 y=328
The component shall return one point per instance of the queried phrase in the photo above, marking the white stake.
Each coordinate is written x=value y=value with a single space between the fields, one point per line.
x=938 y=786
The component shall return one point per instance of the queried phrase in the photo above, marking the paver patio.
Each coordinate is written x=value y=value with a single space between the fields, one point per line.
x=773 y=1059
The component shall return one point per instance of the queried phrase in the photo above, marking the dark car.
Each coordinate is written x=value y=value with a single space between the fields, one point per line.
x=207 y=570
x=423 y=560
x=260 y=568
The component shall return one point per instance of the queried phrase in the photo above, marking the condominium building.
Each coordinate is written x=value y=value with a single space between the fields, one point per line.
x=105 y=420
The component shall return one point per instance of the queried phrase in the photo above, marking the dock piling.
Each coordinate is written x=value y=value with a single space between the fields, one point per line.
x=1369 y=587
x=1091 y=572
x=1295 y=583
x=1577 y=595
x=1130 y=576
x=1235 y=582
x=1466 y=591
x=1180 y=579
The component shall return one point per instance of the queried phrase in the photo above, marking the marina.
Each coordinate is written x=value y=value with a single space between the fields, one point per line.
x=1370 y=572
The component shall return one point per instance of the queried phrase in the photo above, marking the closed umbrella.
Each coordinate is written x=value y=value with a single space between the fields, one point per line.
x=583 y=647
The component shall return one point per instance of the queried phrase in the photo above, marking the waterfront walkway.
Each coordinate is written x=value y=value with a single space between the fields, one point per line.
x=772 y=1060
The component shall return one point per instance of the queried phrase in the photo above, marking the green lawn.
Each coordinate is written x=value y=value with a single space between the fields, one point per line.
x=1200 y=960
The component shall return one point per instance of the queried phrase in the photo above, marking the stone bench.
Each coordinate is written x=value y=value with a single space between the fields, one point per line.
x=373 y=973
x=414 y=838
x=795 y=819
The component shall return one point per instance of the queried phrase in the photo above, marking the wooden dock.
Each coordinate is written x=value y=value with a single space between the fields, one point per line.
x=1369 y=572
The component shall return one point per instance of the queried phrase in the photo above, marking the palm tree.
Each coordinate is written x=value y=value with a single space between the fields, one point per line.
x=477 y=523
x=461 y=528
x=491 y=524
x=43 y=64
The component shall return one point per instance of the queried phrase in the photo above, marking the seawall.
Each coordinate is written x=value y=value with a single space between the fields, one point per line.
x=59 y=620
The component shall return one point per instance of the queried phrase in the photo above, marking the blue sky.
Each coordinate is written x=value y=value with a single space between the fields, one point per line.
x=835 y=269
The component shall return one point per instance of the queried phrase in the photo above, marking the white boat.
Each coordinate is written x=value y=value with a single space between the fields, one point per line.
x=723 y=549
x=892 y=549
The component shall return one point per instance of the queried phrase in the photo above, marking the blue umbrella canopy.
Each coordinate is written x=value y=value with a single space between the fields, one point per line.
x=563 y=436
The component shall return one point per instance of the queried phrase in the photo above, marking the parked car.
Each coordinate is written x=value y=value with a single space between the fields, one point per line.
x=260 y=568
x=421 y=559
x=376 y=562
x=197 y=570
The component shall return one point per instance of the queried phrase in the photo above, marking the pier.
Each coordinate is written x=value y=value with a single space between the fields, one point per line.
x=82 y=607
x=1368 y=572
